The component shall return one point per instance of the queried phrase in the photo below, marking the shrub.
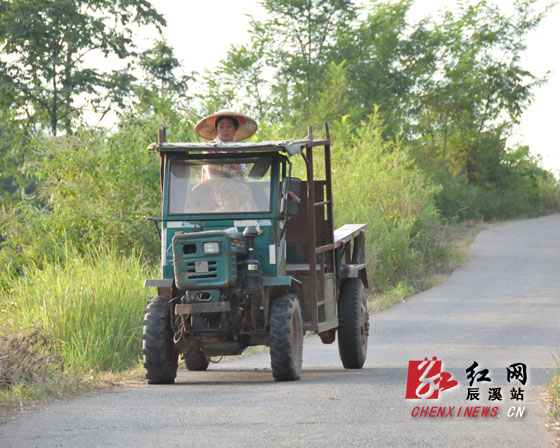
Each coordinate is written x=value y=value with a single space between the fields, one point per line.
x=376 y=182
x=459 y=201
x=93 y=189
x=92 y=303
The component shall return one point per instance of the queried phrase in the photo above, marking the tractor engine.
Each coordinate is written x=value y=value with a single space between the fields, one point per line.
x=207 y=260
x=220 y=277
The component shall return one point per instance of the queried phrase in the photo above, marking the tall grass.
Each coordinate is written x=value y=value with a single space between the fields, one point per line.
x=90 y=303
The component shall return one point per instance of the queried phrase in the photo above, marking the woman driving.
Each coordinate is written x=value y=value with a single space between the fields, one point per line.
x=225 y=182
x=225 y=127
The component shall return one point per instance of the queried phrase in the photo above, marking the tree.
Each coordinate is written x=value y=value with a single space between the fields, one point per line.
x=165 y=85
x=44 y=49
x=304 y=31
x=242 y=70
x=477 y=91
x=380 y=60
x=294 y=44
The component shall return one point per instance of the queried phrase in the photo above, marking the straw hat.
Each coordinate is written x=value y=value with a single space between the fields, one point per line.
x=206 y=127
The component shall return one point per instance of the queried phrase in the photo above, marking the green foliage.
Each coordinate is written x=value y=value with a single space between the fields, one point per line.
x=476 y=92
x=333 y=100
x=93 y=189
x=295 y=43
x=164 y=89
x=90 y=188
x=553 y=398
x=91 y=304
x=44 y=44
x=520 y=188
x=391 y=195
x=386 y=57
x=241 y=70
x=13 y=142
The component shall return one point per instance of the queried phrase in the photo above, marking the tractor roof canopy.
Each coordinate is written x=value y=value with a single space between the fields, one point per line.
x=291 y=147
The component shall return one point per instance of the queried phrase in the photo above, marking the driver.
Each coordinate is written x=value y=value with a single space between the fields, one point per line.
x=223 y=128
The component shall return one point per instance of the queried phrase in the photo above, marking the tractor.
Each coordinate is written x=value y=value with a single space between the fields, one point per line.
x=250 y=257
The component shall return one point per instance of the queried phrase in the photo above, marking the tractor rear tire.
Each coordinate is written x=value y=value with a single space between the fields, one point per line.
x=160 y=356
x=353 y=324
x=196 y=360
x=286 y=338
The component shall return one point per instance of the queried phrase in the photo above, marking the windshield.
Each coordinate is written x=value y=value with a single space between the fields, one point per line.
x=219 y=186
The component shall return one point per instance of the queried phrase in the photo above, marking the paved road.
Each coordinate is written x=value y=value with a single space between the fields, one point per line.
x=501 y=307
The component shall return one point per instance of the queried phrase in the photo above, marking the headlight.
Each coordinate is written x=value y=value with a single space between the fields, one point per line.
x=213 y=247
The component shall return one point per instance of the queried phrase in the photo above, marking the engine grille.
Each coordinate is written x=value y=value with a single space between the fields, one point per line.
x=194 y=275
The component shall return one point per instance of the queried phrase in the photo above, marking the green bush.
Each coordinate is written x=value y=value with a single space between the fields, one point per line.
x=459 y=201
x=93 y=189
x=376 y=182
x=92 y=303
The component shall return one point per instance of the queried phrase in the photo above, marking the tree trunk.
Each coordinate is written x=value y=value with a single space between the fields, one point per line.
x=53 y=111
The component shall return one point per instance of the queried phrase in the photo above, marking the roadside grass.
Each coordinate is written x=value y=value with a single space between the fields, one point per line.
x=22 y=395
x=66 y=324
x=456 y=238
x=553 y=399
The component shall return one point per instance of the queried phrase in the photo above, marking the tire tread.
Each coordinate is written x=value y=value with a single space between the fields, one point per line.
x=350 y=349
x=158 y=352
x=284 y=358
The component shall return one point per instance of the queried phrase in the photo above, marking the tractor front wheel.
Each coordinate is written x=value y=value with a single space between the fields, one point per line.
x=160 y=356
x=353 y=324
x=286 y=338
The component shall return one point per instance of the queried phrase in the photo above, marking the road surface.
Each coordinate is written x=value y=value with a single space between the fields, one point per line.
x=501 y=308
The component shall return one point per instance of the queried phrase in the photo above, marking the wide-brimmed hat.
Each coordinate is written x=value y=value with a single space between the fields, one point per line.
x=206 y=127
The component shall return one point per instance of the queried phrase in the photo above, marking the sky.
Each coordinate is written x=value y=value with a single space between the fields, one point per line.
x=202 y=32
